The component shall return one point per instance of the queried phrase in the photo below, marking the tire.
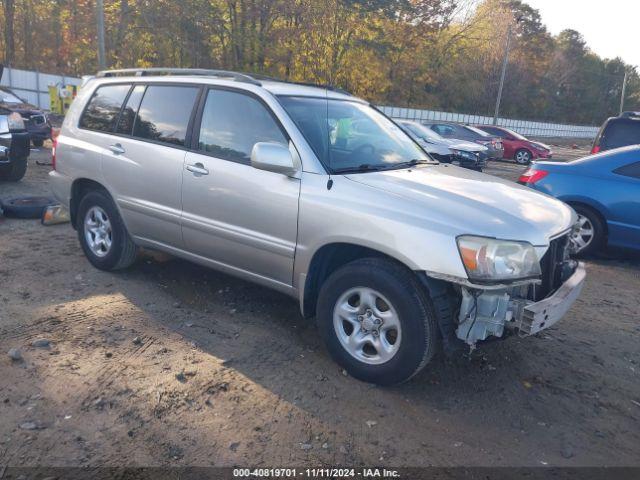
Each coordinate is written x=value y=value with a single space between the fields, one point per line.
x=38 y=142
x=588 y=245
x=14 y=172
x=26 y=207
x=394 y=287
x=113 y=248
x=523 y=156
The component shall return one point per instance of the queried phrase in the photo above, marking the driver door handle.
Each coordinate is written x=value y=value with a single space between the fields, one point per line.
x=116 y=149
x=198 y=169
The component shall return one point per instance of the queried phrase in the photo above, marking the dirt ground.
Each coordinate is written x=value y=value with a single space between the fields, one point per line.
x=169 y=363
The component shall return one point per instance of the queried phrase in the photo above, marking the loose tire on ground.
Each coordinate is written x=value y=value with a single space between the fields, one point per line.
x=15 y=171
x=122 y=251
x=417 y=319
x=26 y=207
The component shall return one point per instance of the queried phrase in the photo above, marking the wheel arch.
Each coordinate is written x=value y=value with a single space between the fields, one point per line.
x=325 y=261
x=594 y=207
x=79 y=188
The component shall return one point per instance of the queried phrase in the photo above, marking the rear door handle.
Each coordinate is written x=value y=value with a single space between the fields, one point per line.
x=116 y=149
x=198 y=169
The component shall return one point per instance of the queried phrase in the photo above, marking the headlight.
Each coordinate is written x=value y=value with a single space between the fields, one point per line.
x=464 y=154
x=15 y=121
x=490 y=260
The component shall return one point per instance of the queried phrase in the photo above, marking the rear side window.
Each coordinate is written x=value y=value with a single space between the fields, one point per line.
x=102 y=110
x=632 y=170
x=232 y=123
x=620 y=132
x=128 y=115
x=164 y=114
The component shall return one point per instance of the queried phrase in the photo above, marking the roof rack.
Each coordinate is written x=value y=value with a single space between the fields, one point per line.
x=253 y=79
x=143 y=72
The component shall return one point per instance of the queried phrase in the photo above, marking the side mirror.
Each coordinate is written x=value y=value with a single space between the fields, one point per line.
x=273 y=157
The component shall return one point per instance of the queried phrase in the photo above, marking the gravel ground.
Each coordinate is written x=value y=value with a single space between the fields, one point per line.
x=169 y=363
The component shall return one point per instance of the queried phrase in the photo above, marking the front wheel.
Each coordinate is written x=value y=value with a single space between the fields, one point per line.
x=102 y=233
x=523 y=157
x=377 y=321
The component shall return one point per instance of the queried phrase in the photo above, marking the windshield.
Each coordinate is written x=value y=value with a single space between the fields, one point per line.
x=421 y=131
x=8 y=97
x=515 y=135
x=350 y=135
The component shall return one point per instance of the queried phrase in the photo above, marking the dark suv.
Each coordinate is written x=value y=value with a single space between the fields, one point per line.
x=618 y=132
x=35 y=121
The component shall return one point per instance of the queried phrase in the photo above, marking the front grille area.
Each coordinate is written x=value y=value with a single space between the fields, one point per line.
x=556 y=267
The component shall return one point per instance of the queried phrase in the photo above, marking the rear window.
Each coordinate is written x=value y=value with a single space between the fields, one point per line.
x=102 y=110
x=164 y=114
x=620 y=132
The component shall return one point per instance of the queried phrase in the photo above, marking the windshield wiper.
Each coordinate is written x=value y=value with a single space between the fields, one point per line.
x=411 y=163
x=365 y=167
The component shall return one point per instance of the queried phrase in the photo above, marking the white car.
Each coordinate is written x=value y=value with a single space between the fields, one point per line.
x=448 y=150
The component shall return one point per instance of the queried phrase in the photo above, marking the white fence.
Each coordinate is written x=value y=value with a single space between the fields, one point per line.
x=524 y=127
x=34 y=86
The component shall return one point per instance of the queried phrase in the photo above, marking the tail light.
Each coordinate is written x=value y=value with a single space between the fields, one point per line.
x=532 y=176
x=53 y=153
x=595 y=149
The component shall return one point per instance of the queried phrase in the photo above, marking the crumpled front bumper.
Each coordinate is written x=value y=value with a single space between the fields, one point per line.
x=540 y=315
x=489 y=313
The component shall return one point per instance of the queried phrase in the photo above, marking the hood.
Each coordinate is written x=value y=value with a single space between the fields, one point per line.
x=438 y=148
x=468 y=202
x=467 y=146
x=21 y=108
x=540 y=145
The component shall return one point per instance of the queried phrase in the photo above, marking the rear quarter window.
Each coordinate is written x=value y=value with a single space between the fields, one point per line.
x=631 y=170
x=620 y=132
x=101 y=113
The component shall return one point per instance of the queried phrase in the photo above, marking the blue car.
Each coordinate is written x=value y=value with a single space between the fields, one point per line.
x=603 y=189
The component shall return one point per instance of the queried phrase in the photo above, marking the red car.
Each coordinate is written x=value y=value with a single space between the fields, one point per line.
x=522 y=150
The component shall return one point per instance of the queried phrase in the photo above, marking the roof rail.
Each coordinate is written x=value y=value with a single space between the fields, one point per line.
x=260 y=76
x=143 y=72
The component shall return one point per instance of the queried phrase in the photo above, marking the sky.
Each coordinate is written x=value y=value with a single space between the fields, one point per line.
x=610 y=27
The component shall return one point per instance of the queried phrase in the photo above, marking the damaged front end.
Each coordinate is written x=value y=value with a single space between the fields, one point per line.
x=526 y=308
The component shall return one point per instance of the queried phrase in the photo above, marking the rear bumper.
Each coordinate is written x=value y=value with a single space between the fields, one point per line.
x=60 y=186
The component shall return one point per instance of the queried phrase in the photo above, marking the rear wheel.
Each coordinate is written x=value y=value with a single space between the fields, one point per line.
x=377 y=321
x=102 y=233
x=523 y=157
x=15 y=171
x=589 y=237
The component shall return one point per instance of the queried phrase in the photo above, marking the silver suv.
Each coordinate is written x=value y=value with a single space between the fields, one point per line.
x=314 y=193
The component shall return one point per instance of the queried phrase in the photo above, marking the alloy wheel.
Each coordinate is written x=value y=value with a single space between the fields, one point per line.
x=584 y=234
x=97 y=231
